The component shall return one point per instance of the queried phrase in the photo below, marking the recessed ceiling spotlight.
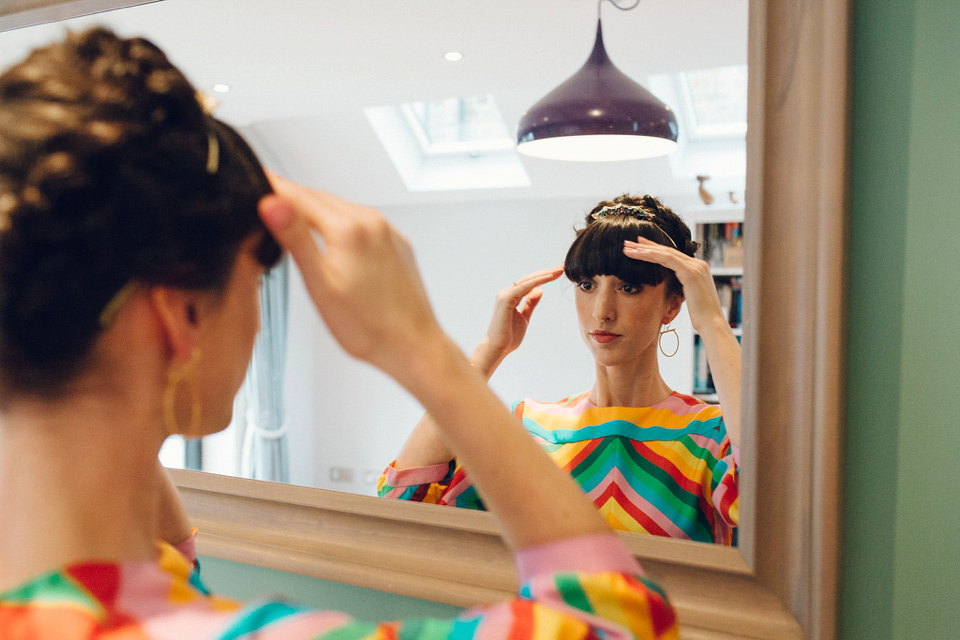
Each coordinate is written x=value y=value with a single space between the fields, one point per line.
x=221 y=88
x=452 y=56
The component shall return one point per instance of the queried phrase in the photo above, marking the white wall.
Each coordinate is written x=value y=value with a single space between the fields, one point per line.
x=345 y=415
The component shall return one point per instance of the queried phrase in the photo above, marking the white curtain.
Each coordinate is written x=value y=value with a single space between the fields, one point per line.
x=264 y=449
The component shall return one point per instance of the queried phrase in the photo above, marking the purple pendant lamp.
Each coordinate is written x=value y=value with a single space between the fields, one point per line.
x=598 y=114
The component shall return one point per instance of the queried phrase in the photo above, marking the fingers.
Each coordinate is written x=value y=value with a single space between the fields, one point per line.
x=530 y=303
x=287 y=224
x=540 y=277
x=650 y=251
x=323 y=211
x=291 y=229
x=525 y=285
x=690 y=271
x=305 y=202
x=684 y=266
x=699 y=289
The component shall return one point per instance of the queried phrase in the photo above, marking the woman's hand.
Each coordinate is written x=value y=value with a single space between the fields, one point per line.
x=699 y=290
x=363 y=280
x=511 y=317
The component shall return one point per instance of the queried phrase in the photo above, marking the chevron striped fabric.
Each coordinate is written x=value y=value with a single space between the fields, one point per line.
x=604 y=597
x=667 y=470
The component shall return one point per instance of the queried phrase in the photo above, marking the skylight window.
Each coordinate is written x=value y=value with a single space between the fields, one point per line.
x=452 y=144
x=710 y=103
x=718 y=98
x=711 y=108
x=458 y=125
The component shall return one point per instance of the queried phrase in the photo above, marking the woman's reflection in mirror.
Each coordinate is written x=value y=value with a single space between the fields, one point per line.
x=134 y=232
x=651 y=459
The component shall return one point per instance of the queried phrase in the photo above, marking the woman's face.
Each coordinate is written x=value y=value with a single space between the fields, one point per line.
x=620 y=322
x=231 y=326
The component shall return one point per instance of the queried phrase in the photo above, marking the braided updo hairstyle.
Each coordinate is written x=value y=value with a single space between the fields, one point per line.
x=104 y=181
x=598 y=247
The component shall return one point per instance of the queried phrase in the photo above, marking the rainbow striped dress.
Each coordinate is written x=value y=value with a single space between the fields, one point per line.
x=668 y=470
x=578 y=589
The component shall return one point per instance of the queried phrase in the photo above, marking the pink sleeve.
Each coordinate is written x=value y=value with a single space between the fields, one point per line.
x=415 y=475
x=596 y=553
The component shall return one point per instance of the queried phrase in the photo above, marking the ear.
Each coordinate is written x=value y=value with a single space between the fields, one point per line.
x=674 y=302
x=177 y=315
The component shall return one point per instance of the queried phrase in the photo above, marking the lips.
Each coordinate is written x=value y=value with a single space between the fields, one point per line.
x=604 y=337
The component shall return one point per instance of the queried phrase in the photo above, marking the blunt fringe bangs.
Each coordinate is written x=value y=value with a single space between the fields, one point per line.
x=598 y=251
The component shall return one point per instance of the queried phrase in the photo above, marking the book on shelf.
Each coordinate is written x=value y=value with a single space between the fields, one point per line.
x=730 y=292
x=702 y=377
x=723 y=244
x=736 y=302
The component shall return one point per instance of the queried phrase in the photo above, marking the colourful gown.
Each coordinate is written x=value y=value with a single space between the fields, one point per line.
x=595 y=592
x=668 y=470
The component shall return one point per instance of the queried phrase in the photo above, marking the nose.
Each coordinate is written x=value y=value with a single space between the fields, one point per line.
x=605 y=305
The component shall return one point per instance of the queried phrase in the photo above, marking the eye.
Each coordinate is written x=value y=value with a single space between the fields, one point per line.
x=585 y=285
x=630 y=289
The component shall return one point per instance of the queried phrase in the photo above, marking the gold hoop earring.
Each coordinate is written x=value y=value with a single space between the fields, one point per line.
x=676 y=337
x=176 y=374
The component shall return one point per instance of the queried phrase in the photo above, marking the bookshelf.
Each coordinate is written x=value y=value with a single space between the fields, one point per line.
x=720 y=233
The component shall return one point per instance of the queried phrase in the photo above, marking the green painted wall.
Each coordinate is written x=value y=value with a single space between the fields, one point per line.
x=902 y=511
x=246 y=582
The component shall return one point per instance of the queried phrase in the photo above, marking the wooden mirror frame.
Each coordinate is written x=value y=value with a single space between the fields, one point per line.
x=782 y=580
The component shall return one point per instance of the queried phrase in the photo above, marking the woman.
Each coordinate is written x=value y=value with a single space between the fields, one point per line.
x=652 y=460
x=133 y=236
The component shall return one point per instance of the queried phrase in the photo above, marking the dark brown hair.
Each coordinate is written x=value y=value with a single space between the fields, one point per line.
x=104 y=181
x=598 y=247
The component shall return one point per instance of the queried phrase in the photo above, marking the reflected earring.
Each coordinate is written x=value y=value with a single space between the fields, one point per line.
x=176 y=374
x=676 y=337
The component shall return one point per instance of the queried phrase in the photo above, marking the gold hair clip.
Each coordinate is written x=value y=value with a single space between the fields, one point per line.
x=7 y=202
x=213 y=151
x=109 y=313
x=209 y=105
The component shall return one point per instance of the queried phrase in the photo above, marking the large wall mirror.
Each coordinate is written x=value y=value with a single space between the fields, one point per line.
x=303 y=80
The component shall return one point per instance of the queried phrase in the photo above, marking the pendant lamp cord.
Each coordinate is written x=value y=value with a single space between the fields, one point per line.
x=614 y=3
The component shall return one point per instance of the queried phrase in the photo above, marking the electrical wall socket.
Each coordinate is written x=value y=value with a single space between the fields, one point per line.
x=341 y=474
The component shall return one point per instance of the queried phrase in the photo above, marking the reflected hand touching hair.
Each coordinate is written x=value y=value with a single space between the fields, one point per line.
x=699 y=290
x=511 y=317
x=707 y=318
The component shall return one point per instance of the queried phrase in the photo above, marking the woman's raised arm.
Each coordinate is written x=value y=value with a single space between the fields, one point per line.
x=366 y=287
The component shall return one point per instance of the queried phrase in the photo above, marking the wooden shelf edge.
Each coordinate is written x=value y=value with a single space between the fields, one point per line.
x=712 y=214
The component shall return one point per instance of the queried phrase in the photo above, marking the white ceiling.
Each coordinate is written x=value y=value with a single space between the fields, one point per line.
x=302 y=71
